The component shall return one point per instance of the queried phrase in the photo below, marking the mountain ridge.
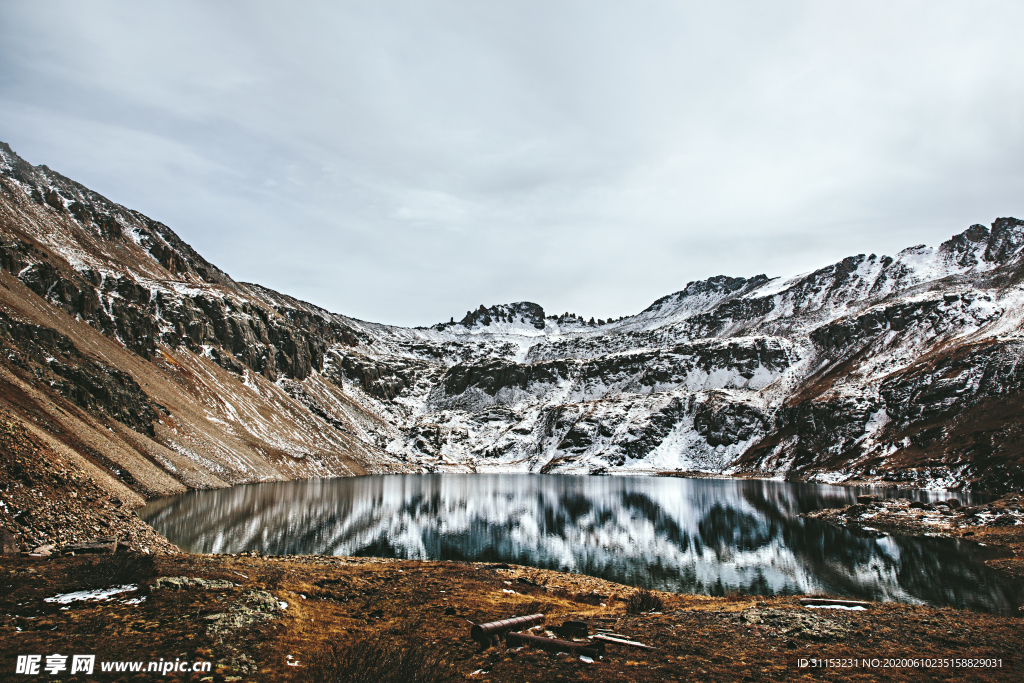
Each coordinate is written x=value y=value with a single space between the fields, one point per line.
x=125 y=347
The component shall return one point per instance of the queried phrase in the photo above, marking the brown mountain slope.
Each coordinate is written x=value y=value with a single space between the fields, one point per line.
x=90 y=294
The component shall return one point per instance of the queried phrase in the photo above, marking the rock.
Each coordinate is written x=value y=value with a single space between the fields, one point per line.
x=807 y=625
x=855 y=510
x=866 y=499
x=8 y=542
x=253 y=608
x=953 y=503
x=44 y=550
x=183 y=582
x=917 y=505
x=522 y=312
x=91 y=547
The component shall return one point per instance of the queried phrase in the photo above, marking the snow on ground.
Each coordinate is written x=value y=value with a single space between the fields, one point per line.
x=95 y=594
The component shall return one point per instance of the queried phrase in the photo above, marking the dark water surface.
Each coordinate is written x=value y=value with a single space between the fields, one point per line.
x=706 y=536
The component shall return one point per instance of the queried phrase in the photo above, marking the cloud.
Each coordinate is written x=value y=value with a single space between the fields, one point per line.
x=405 y=161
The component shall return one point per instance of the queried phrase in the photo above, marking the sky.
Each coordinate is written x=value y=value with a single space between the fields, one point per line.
x=404 y=162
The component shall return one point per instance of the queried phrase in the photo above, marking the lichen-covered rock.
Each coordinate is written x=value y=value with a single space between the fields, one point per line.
x=252 y=608
x=185 y=582
x=804 y=624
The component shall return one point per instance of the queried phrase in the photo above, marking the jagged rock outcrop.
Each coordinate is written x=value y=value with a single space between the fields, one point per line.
x=942 y=384
x=522 y=314
x=381 y=379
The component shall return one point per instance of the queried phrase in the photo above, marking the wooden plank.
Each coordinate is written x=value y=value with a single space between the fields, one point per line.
x=829 y=601
x=621 y=641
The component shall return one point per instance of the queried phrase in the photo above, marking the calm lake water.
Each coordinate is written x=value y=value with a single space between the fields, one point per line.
x=706 y=536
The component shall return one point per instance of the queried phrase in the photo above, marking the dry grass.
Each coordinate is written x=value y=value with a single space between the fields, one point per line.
x=642 y=601
x=385 y=620
x=118 y=569
x=374 y=659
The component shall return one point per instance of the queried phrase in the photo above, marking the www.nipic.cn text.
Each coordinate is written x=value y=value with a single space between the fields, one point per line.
x=32 y=665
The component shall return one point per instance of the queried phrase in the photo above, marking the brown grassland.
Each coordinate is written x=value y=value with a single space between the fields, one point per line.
x=425 y=609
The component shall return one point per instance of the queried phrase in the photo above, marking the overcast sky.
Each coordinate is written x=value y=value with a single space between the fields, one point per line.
x=403 y=162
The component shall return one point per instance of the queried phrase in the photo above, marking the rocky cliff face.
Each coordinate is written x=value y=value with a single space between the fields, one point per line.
x=124 y=347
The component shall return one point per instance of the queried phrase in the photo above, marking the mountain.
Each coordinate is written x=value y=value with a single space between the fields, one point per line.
x=153 y=371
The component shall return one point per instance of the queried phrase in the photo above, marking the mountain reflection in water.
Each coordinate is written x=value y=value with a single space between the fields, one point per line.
x=706 y=536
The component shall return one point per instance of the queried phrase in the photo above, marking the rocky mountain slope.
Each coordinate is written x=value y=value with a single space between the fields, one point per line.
x=900 y=368
x=150 y=369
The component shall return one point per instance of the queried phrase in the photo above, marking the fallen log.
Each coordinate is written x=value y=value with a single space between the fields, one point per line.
x=486 y=633
x=593 y=650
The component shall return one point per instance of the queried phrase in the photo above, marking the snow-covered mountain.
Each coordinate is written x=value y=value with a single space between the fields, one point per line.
x=127 y=348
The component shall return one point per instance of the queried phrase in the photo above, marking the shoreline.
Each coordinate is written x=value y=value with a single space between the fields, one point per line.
x=996 y=524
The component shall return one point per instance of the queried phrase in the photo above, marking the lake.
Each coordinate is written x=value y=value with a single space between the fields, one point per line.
x=708 y=536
